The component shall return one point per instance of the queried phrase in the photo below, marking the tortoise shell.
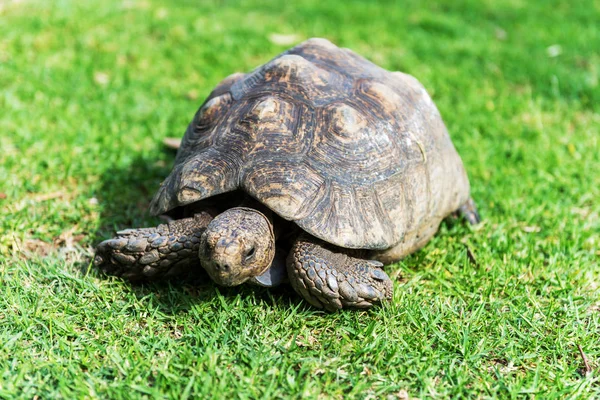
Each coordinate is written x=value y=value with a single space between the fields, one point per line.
x=353 y=154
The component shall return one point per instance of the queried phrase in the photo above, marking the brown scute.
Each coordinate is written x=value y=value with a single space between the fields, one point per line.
x=201 y=132
x=353 y=154
x=269 y=116
x=201 y=176
x=284 y=186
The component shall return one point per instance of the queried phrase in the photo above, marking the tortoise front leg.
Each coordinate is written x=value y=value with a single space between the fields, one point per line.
x=149 y=253
x=328 y=277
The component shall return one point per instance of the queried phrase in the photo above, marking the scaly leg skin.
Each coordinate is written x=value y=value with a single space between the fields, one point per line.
x=469 y=212
x=150 y=253
x=328 y=278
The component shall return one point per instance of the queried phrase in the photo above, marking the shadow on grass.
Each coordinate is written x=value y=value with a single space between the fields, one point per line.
x=125 y=195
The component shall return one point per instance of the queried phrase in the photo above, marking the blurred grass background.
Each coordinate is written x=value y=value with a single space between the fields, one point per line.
x=88 y=90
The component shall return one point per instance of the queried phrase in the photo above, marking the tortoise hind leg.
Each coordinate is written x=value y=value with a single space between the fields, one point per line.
x=469 y=212
x=330 y=277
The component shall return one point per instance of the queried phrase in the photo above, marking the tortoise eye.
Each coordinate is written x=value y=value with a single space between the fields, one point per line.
x=250 y=254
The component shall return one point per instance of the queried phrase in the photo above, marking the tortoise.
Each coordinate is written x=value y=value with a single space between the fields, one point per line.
x=316 y=168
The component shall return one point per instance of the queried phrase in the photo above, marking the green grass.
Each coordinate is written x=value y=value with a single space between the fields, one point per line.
x=88 y=90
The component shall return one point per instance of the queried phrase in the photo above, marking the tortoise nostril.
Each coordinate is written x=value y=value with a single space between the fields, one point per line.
x=224 y=267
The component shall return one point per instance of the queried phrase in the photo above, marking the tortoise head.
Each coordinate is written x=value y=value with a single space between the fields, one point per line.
x=238 y=245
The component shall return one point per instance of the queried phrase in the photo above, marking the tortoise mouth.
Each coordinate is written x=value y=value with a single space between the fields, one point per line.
x=225 y=275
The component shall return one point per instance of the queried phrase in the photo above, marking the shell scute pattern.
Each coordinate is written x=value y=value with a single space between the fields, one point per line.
x=350 y=152
x=289 y=187
x=201 y=132
x=268 y=118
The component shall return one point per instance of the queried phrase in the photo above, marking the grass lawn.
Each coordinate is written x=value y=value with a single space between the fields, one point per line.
x=88 y=90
